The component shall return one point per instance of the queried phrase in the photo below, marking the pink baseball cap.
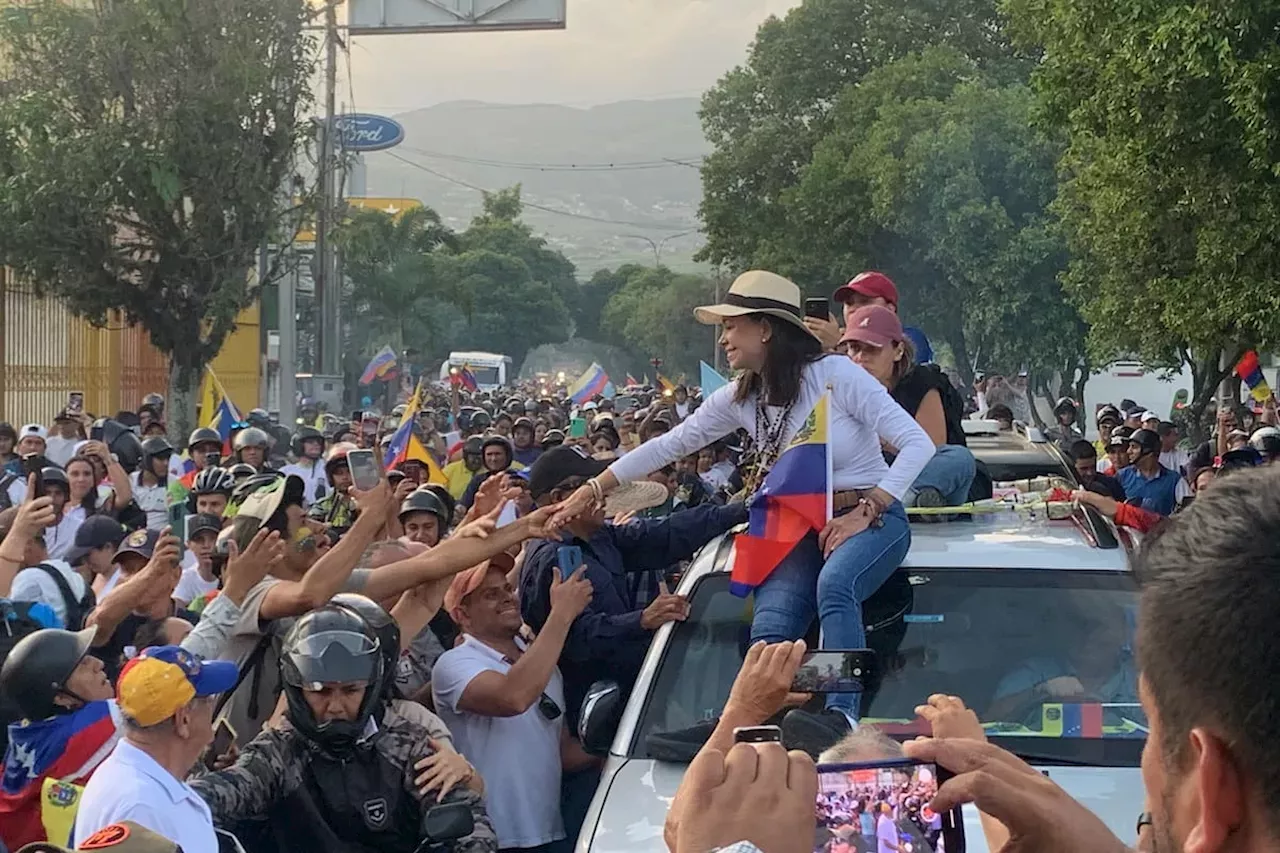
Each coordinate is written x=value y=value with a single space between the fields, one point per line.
x=875 y=285
x=874 y=325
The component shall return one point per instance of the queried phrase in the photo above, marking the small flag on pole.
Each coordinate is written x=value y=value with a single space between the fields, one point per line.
x=1250 y=373
x=381 y=366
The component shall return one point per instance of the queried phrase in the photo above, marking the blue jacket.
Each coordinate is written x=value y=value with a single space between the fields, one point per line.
x=606 y=640
x=1158 y=494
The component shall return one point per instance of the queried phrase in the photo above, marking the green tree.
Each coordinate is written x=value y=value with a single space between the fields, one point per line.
x=1170 y=202
x=764 y=117
x=594 y=295
x=932 y=172
x=144 y=147
x=653 y=314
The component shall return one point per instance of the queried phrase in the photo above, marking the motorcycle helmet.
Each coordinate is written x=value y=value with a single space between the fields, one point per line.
x=302 y=436
x=1108 y=413
x=153 y=448
x=530 y=407
x=385 y=628
x=1063 y=406
x=121 y=442
x=204 y=435
x=240 y=472
x=214 y=481
x=1148 y=442
x=1266 y=441
x=37 y=668
x=337 y=455
x=446 y=500
x=480 y=421
x=52 y=474
x=426 y=500
x=258 y=417
x=251 y=437
x=332 y=645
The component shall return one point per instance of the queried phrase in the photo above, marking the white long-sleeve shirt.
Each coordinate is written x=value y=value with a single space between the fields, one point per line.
x=862 y=413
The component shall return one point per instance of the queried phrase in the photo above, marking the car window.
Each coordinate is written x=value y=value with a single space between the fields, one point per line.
x=1045 y=657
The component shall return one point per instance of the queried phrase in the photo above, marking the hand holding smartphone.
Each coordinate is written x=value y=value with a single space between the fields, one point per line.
x=365 y=471
x=834 y=671
x=817 y=309
x=75 y=403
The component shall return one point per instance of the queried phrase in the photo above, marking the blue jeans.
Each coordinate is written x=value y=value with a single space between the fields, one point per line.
x=950 y=471
x=803 y=585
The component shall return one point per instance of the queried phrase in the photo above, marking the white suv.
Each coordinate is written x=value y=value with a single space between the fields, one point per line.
x=987 y=609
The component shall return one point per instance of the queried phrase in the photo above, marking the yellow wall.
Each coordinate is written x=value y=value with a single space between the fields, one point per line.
x=238 y=367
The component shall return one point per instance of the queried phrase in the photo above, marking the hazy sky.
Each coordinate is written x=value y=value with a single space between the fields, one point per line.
x=612 y=50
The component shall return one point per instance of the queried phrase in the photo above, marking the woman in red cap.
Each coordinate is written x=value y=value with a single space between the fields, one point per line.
x=874 y=338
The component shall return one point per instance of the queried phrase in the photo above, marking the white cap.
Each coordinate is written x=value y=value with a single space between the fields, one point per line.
x=1150 y=416
x=38 y=430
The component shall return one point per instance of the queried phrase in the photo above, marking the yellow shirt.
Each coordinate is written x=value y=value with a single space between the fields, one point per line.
x=459 y=477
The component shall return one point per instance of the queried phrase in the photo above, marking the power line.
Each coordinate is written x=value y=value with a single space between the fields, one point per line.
x=637 y=165
x=653 y=226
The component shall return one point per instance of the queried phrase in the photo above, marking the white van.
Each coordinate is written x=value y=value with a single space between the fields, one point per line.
x=490 y=369
x=1155 y=389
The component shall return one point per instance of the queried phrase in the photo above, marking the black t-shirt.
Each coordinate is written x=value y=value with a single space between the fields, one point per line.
x=919 y=381
x=112 y=652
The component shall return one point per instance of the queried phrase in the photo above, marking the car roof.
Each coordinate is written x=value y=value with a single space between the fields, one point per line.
x=1004 y=540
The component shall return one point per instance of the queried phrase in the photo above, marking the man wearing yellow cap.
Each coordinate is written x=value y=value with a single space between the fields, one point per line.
x=166 y=698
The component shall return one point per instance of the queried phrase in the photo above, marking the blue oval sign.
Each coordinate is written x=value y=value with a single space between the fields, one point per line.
x=367 y=132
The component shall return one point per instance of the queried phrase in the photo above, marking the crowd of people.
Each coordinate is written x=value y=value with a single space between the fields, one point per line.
x=229 y=635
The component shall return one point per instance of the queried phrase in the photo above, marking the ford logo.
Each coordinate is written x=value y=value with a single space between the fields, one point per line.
x=366 y=132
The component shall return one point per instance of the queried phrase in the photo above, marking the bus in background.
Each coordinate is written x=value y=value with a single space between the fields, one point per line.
x=1155 y=389
x=491 y=369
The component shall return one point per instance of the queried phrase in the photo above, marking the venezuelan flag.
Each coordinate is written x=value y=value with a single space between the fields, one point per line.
x=467 y=378
x=1250 y=373
x=381 y=366
x=225 y=418
x=405 y=446
x=794 y=499
x=594 y=381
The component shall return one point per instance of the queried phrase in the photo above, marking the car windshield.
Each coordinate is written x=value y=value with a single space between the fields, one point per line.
x=1045 y=657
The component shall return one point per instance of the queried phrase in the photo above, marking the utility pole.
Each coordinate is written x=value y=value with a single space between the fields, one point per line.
x=327 y=288
x=287 y=308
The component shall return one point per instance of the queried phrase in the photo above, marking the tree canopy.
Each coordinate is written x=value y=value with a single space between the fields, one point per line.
x=144 y=150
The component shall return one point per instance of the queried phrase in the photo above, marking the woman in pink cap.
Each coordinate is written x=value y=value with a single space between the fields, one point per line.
x=874 y=339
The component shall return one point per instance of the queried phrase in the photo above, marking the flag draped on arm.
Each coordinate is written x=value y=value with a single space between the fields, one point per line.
x=794 y=499
x=1250 y=373
x=405 y=446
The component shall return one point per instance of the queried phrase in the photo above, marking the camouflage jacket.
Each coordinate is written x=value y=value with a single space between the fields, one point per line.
x=367 y=799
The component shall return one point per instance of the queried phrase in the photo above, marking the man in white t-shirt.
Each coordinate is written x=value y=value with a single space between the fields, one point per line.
x=504 y=700
x=39 y=579
x=1172 y=456
x=61 y=445
x=197 y=579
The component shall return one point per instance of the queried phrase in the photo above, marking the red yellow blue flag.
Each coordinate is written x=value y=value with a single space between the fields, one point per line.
x=406 y=446
x=794 y=500
x=1250 y=373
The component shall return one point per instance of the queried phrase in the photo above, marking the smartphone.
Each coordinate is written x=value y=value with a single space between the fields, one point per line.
x=817 y=308
x=897 y=793
x=34 y=463
x=223 y=737
x=578 y=428
x=75 y=403
x=178 y=521
x=834 y=671
x=568 y=558
x=757 y=734
x=365 y=472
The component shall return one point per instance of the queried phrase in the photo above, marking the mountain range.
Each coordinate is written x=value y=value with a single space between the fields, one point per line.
x=596 y=181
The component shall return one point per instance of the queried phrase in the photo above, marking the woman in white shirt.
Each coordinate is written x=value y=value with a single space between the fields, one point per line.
x=783 y=375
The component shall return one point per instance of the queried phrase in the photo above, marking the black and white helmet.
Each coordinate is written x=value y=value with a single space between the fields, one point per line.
x=213 y=481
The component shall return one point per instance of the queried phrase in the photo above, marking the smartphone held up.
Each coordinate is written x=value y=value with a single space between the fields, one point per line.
x=365 y=470
x=884 y=805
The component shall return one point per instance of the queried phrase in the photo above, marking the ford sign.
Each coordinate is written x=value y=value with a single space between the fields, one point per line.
x=365 y=132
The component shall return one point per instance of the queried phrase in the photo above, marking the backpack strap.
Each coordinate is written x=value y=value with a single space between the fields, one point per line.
x=252 y=664
x=77 y=609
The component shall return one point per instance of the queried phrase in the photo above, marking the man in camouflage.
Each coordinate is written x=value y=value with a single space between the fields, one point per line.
x=340 y=774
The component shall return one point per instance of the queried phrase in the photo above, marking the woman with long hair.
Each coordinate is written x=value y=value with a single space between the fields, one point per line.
x=783 y=374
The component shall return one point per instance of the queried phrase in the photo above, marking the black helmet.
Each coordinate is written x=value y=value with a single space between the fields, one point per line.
x=251 y=437
x=530 y=406
x=473 y=446
x=204 y=435
x=425 y=500
x=552 y=438
x=445 y=498
x=240 y=471
x=1147 y=441
x=38 y=666
x=54 y=474
x=1065 y=404
x=522 y=421
x=120 y=440
x=515 y=407
x=258 y=417
x=480 y=421
x=1108 y=412
x=384 y=627
x=214 y=481
x=153 y=447
x=331 y=645
x=306 y=433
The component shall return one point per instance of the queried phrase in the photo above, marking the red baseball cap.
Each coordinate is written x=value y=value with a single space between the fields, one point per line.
x=875 y=325
x=875 y=285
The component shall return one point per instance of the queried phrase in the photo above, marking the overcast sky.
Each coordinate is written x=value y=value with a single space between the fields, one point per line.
x=612 y=50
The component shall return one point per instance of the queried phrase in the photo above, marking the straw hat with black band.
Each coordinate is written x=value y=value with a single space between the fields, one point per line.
x=757 y=292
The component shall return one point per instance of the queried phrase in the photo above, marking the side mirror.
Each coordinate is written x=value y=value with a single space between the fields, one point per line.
x=598 y=722
x=448 y=822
